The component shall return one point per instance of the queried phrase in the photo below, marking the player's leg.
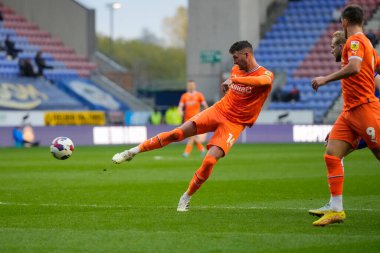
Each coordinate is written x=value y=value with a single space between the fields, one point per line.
x=189 y=146
x=200 y=176
x=376 y=152
x=198 y=142
x=335 y=152
x=203 y=173
x=161 y=140
x=187 y=129
x=219 y=145
x=362 y=144
x=333 y=211
x=363 y=121
x=342 y=140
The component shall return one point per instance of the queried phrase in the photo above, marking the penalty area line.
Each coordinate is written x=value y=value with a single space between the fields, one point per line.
x=171 y=207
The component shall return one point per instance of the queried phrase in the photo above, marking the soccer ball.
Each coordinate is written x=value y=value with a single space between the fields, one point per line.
x=61 y=148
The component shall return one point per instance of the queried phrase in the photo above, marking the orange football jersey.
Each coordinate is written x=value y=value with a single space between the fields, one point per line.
x=360 y=88
x=242 y=103
x=192 y=102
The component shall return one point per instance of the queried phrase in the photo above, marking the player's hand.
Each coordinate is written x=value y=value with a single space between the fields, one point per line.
x=226 y=85
x=318 y=82
x=327 y=139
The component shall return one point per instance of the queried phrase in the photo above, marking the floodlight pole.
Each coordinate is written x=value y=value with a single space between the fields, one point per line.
x=112 y=7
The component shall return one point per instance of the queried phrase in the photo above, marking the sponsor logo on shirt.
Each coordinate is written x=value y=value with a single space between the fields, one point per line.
x=241 y=89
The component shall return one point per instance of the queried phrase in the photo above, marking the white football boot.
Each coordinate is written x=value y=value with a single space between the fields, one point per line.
x=320 y=211
x=184 y=203
x=123 y=156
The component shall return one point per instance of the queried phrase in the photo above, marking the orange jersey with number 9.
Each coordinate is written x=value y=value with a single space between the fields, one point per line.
x=360 y=88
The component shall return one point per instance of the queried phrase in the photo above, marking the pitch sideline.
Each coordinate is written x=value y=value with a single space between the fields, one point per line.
x=170 y=207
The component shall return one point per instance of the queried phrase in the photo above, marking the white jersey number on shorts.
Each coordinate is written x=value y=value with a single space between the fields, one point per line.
x=230 y=140
x=371 y=132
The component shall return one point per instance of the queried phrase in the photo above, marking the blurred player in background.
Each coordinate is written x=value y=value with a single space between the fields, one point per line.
x=246 y=91
x=190 y=105
x=361 y=109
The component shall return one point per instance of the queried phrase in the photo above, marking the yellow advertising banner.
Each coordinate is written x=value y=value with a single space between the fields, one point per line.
x=75 y=118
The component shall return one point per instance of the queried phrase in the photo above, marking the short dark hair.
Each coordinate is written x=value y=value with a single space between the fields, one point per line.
x=354 y=14
x=240 y=45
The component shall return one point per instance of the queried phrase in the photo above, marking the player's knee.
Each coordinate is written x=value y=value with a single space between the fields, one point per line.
x=332 y=152
x=176 y=135
x=216 y=152
x=338 y=148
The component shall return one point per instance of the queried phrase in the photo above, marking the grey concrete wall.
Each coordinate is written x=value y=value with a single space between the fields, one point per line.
x=216 y=25
x=263 y=5
x=64 y=19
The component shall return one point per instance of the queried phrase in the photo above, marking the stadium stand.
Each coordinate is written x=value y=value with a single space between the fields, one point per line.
x=28 y=38
x=298 y=44
x=66 y=86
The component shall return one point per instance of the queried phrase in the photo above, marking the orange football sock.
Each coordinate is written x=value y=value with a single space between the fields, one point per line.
x=201 y=174
x=189 y=147
x=335 y=174
x=161 y=140
x=200 y=147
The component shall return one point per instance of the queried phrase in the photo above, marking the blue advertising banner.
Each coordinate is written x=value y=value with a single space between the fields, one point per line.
x=92 y=96
x=34 y=94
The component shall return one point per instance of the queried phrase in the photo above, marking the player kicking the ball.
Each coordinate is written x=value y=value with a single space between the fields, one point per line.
x=361 y=110
x=246 y=91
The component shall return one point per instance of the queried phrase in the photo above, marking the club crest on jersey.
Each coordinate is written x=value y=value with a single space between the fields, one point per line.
x=354 y=45
x=268 y=73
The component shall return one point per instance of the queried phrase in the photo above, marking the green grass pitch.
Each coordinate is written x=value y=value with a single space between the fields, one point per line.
x=255 y=201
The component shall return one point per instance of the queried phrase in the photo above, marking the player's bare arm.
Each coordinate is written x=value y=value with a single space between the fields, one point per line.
x=226 y=85
x=377 y=81
x=204 y=104
x=352 y=68
x=180 y=108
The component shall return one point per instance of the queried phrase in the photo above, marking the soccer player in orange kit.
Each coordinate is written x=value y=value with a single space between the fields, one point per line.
x=246 y=91
x=361 y=110
x=190 y=105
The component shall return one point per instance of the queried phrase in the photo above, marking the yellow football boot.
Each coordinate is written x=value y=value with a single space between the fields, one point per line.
x=330 y=217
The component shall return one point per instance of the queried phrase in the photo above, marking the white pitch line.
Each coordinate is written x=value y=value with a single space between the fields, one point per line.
x=273 y=208
x=172 y=207
x=61 y=205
